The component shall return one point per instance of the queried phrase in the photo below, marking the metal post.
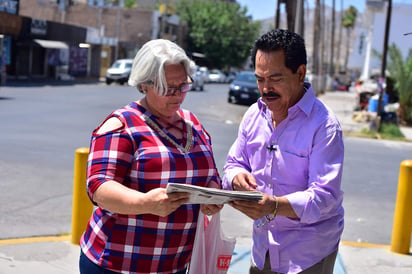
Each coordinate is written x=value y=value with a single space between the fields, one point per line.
x=81 y=206
x=402 y=222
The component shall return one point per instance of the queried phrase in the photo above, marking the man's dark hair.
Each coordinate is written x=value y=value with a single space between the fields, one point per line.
x=278 y=39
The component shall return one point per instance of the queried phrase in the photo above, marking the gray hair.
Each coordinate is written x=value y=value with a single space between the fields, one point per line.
x=150 y=60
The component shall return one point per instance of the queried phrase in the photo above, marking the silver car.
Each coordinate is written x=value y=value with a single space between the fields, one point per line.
x=198 y=81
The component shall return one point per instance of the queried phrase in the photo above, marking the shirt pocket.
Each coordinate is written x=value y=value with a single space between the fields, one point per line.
x=290 y=170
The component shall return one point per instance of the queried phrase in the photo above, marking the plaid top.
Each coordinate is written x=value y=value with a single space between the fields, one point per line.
x=139 y=158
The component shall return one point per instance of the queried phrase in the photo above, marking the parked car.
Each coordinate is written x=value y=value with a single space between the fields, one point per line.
x=119 y=72
x=204 y=72
x=244 y=88
x=216 y=76
x=231 y=76
x=198 y=81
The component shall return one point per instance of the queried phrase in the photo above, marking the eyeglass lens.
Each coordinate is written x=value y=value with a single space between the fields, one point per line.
x=183 y=89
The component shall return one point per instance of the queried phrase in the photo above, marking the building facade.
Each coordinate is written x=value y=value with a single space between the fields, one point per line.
x=64 y=39
x=370 y=37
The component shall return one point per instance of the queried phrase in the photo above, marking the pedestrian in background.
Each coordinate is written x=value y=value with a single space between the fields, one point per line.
x=137 y=227
x=289 y=147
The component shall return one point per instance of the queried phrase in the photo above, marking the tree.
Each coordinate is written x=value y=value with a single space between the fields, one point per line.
x=348 y=22
x=332 y=43
x=130 y=4
x=292 y=7
x=400 y=70
x=316 y=39
x=220 y=30
x=337 y=66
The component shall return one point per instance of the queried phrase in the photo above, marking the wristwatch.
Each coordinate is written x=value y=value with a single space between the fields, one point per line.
x=272 y=216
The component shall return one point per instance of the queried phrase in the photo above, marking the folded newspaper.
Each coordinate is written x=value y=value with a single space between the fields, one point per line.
x=206 y=195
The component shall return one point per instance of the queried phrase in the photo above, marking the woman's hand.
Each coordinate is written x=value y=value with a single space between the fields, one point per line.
x=162 y=204
x=118 y=198
x=209 y=209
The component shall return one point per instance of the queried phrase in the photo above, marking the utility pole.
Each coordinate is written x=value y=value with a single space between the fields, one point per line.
x=382 y=79
x=118 y=23
x=277 y=17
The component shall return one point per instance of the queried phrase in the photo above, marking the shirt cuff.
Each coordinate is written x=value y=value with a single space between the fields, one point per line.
x=228 y=177
x=298 y=201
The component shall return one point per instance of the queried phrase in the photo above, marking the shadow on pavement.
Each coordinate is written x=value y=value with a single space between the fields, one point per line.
x=48 y=82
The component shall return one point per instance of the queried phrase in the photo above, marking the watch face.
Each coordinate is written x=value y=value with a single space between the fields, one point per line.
x=270 y=217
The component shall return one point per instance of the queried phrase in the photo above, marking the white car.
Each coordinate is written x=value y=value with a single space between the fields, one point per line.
x=119 y=72
x=216 y=76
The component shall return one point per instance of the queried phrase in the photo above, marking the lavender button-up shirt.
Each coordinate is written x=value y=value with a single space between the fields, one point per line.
x=304 y=165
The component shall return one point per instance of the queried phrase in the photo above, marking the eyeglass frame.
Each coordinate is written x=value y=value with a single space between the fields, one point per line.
x=171 y=91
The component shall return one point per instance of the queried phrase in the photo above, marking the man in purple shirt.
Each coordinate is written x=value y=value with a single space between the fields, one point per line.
x=289 y=147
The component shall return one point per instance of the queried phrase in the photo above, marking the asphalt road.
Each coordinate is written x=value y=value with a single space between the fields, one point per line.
x=43 y=125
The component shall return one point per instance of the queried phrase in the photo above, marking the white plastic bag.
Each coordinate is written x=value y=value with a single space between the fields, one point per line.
x=212 y=250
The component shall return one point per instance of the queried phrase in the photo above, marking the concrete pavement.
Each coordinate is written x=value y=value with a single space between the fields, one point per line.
x=55 y=254
x=43 y=255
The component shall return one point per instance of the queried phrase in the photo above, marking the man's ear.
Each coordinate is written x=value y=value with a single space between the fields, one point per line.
x=301 y=73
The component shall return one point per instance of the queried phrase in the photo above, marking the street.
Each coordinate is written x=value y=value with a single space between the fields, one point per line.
x=42 y=126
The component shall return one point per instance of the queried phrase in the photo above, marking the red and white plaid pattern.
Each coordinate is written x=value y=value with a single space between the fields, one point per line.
x=139 y=158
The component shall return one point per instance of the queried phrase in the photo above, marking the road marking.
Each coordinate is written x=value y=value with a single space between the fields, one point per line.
x=38 y=239
x=360 y=244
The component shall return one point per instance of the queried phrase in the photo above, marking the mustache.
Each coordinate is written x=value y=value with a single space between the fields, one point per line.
x=271 y=94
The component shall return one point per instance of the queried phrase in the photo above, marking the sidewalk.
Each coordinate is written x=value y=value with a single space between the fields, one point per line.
x=343 y=104
x=57 y=255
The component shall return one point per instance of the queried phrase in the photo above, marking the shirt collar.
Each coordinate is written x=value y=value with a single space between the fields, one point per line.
x=305 y=103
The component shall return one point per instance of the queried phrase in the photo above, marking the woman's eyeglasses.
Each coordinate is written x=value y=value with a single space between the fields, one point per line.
x=183 y=88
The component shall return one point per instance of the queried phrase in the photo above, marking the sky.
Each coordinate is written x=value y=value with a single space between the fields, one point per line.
x=262 y=9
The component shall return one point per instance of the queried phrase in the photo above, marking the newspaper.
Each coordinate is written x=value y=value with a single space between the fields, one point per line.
x=205 y=195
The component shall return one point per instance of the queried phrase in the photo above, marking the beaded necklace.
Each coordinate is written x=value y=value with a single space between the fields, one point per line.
x=182 y=149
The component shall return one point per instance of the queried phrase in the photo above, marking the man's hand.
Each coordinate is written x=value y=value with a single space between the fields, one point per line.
x=256 y=210
x=244 y=181
x=266 y=206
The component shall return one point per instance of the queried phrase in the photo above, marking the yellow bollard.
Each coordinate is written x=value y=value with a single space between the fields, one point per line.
x=81 y=206
x=402 y=221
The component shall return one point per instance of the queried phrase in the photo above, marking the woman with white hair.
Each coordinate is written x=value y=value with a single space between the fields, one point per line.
x=136 y=226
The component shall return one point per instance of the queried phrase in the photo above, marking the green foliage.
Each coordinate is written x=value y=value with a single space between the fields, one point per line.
x=401 y=71
x=220 y=30
x=129 y=4
x=387 y=131
x=391 y=130
x=349 y=17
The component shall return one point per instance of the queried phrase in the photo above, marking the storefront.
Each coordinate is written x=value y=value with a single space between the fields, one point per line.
x=47 y=49
x=10 y=27
x=32 y=48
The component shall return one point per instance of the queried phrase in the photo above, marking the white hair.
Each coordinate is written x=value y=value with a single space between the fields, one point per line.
x=149 y=64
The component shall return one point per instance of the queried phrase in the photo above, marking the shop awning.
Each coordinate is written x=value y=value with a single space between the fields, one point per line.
x=51 y=44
